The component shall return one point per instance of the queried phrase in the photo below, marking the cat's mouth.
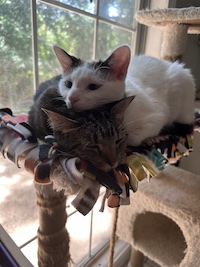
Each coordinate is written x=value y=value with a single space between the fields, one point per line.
x=77 y=109
x=106 y=167
x=74 y=107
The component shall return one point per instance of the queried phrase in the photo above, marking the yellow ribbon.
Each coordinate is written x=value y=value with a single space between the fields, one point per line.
x=140 y=166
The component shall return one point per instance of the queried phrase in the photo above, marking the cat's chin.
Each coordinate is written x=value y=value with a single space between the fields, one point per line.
x=75 y=107
x=106 y=167
x=81 y=106
x=102 y=168
x=78 y=109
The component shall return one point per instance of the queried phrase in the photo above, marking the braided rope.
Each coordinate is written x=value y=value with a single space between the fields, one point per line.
x=113 y=238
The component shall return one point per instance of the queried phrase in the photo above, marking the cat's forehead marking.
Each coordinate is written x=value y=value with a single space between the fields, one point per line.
x=98 y=65
x=101 y=124
x=87 y=69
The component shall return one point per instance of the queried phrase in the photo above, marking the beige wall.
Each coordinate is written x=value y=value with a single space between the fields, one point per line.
x=154 y=36
x=192 y=53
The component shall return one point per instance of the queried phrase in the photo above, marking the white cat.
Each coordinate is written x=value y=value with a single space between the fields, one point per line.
x=89 y=84
x=164 y=92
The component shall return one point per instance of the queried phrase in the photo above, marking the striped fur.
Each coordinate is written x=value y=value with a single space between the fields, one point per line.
x=97 y=135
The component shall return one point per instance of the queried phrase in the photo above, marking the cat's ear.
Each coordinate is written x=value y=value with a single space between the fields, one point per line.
x=118 y=61
x=119 y=108
x=67 y=61
x=61 y=123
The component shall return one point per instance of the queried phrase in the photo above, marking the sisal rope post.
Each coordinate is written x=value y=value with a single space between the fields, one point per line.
x=53 y=238
x=113 y=238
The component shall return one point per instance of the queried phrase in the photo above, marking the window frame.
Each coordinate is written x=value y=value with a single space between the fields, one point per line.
x=138 y=30
x=138 y=46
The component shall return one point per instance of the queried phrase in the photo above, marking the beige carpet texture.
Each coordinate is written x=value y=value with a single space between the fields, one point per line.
x=163 y=220
x=161 y=17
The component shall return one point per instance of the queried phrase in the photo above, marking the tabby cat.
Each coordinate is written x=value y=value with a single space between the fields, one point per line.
x=94 y=135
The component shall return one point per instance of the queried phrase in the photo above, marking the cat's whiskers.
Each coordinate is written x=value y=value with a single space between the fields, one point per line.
x=86 y=145
x=64 y=153
x=136 y=120
x=121 y=126
x=121 y=129
x=58 y=98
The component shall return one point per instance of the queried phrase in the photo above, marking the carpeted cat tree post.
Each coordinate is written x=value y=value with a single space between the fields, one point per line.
x=163 y=220
x=176 y=25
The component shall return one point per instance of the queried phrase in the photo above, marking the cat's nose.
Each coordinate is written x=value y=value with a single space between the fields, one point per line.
x=73 y=99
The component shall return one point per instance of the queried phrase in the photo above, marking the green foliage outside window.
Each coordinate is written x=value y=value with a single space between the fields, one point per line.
x=73 y=32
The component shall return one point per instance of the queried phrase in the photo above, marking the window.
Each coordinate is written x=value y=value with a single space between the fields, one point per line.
x=87 y=29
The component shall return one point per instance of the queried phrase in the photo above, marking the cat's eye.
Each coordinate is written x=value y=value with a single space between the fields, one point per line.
x=68 y=84
x=118 y=141
x=96 y=148
x=93 y=86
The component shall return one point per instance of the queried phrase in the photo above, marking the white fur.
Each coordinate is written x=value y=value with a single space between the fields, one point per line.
x=109 y=91
x=165 y=93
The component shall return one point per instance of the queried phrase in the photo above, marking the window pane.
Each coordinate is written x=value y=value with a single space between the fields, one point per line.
x=73 y=32
x=89 y=6
x=119 y=11
x=16 y=85
x=110 y=37
x=102 y=225
x=78 y=227
x=18 y=211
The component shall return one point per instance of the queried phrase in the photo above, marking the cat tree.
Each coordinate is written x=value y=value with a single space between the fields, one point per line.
x=176 y=24
x=162 y=222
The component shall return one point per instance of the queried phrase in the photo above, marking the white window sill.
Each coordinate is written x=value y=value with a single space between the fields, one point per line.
x=100 y=257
